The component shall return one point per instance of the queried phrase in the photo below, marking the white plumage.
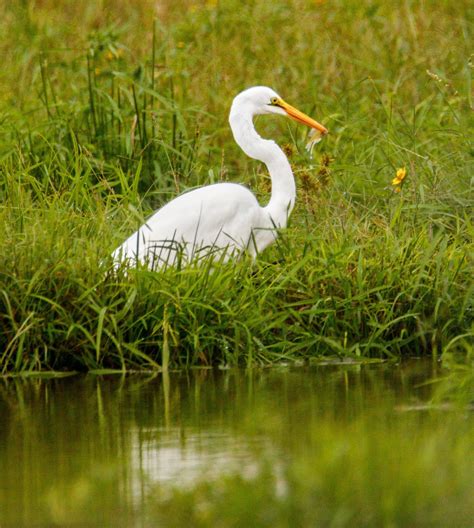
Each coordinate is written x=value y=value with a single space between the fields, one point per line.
x=223 y=219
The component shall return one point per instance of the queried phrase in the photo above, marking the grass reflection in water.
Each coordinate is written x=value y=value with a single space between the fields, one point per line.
x=319 y=446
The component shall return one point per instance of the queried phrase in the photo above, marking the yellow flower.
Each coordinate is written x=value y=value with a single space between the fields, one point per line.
x=401 y=175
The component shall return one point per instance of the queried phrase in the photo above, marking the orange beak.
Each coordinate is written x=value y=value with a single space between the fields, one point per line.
x=295 y=114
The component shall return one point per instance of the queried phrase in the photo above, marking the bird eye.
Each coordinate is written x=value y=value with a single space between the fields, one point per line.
x=274 y=101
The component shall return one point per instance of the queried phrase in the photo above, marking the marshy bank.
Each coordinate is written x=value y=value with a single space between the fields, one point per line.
x=107 y=114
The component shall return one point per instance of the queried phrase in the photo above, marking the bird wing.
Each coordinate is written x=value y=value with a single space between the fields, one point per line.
x=217 y=216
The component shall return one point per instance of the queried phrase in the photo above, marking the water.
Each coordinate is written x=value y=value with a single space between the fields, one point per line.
x=100 y=451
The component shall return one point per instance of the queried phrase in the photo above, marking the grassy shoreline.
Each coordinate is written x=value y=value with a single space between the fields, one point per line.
x=91 y=142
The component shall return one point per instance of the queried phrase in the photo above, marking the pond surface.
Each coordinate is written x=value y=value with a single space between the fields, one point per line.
x=100 y=451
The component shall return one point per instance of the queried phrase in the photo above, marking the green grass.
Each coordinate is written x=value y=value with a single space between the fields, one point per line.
x=107 y=113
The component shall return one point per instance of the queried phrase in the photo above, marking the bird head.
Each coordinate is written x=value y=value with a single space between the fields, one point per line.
x=264 y=100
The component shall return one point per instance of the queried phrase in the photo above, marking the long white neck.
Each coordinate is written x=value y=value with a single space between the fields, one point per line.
x=283 y=183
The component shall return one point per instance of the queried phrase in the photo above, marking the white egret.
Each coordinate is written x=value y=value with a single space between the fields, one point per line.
x=224 y=218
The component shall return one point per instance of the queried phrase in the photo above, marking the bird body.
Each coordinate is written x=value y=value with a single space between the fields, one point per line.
x=223 y=219
x=243 y=225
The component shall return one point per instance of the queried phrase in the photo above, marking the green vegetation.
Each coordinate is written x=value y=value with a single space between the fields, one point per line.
x=105 y=114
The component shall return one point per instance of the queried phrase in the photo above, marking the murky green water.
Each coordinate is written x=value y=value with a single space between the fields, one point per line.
x=315 y=446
